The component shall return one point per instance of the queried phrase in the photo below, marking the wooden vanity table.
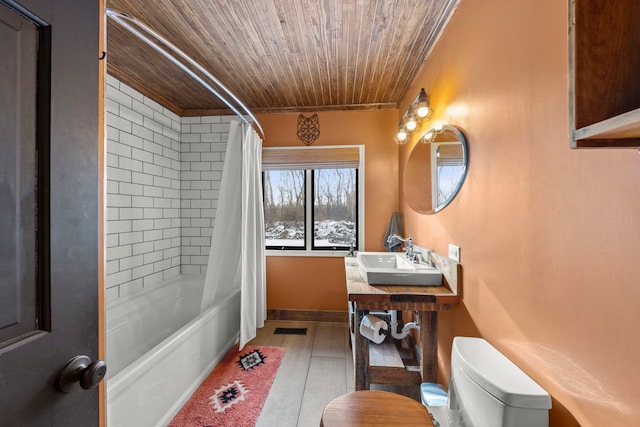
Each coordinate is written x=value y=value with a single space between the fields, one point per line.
x=375 y=364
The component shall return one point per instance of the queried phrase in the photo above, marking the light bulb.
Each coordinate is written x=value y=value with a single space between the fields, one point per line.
x=422 y=104
x=423 y=111
x=427 y=137
x=401 y=137
x=411 y=124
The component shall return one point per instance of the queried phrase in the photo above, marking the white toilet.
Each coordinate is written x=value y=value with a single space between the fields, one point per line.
x=486 y=390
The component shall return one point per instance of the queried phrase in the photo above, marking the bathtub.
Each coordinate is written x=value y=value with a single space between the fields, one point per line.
x=159 y=348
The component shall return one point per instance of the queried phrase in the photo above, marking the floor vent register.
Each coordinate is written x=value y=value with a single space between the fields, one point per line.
x=290 y=331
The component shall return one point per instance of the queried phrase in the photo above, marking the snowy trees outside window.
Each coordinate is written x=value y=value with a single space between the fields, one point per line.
x=324 y=201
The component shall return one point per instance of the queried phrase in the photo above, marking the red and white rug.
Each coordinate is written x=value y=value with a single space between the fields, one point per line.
x=235 y=391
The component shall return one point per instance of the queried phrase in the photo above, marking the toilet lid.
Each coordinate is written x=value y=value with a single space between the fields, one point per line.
x=496 y=374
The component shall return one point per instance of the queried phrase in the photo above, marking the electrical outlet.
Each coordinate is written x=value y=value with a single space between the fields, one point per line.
x=454 y=252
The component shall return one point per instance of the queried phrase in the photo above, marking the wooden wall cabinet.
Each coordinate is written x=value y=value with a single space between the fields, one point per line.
x=604 y=73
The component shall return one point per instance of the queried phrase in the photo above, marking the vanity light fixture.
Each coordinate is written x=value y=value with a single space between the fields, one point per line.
x=430 y=136
x=419 y=111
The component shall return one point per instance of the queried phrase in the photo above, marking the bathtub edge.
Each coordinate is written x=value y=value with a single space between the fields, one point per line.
x=130 y=379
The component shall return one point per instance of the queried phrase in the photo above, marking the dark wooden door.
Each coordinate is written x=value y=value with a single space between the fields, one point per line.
x=49 y=201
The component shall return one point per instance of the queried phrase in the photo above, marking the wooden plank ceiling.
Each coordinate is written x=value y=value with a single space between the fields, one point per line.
x=280 y=55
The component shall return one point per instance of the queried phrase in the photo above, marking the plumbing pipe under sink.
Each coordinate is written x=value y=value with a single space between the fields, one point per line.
x=405 y=329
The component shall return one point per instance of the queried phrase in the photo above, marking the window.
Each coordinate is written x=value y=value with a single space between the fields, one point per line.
x=284 y=208
x=335 y=207
x=312 y=199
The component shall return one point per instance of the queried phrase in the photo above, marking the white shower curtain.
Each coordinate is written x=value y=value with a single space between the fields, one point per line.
x=237 y=254
x=252 y=270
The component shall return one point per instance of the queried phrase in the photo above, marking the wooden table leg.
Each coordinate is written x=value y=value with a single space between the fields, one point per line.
x=361 y=351
x=429 y=344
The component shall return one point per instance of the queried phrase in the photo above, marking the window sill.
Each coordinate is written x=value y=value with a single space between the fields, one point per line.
x=311 y=254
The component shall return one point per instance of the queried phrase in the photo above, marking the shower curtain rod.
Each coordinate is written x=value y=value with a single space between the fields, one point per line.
x=120 y=18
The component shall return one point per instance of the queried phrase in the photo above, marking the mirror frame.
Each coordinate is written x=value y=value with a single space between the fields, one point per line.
x=406 y=179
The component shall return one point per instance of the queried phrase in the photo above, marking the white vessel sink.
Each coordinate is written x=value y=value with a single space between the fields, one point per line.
x=391 y=268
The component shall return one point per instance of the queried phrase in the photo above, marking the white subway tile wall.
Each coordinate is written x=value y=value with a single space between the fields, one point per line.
x=204 y=141
x=163 y=179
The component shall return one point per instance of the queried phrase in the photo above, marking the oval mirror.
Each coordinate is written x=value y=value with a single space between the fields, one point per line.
x=435 y=170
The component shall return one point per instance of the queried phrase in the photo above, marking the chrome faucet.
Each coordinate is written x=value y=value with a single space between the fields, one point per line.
x=352 y=248
x=408 y=244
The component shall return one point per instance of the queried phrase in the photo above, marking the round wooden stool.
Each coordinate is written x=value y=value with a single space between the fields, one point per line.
x=367 y=408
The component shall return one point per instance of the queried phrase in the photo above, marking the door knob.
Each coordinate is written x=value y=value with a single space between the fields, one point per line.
x=80 y=370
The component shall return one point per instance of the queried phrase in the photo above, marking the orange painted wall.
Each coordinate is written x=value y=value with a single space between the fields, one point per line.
x=318 y=283
x=550 y=236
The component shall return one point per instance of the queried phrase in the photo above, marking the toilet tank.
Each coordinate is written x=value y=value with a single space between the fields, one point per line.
x=488 y=390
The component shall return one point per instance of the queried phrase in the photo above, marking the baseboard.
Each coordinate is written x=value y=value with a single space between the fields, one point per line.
x=308 y=315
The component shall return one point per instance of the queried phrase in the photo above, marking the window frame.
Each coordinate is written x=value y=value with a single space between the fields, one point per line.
x=310 y=176
x=309 y=250
x=305 y=213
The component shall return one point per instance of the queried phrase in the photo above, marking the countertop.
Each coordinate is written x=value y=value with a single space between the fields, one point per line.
x=361 y=292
